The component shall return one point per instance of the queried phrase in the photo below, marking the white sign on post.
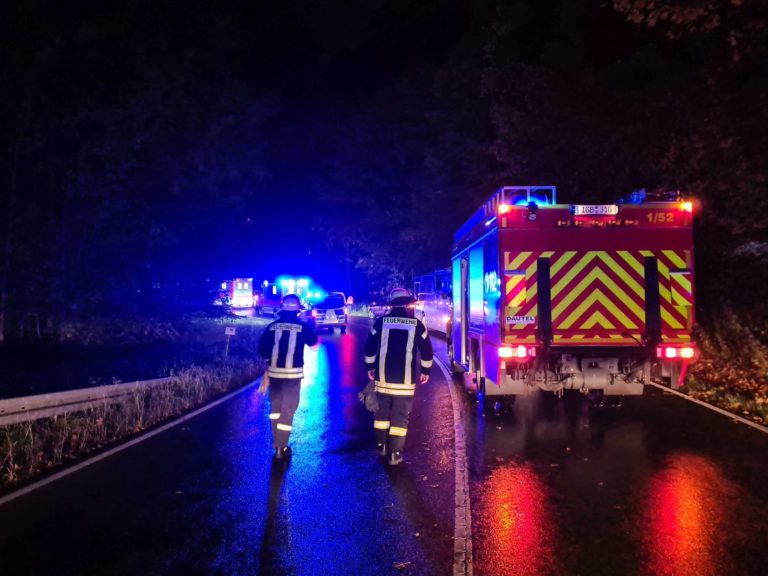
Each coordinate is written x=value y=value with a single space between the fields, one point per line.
x=229 y=330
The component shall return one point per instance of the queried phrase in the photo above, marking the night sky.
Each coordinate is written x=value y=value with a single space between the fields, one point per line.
x=154 y=143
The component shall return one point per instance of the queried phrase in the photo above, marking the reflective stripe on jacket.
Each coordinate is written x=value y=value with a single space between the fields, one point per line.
x=282 y=344
x=391 y=352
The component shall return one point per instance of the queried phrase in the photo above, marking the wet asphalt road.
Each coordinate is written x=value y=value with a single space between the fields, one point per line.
x=206 y=498
x=658 y=486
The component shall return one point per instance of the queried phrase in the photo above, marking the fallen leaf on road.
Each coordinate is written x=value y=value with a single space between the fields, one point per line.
x=401 y=565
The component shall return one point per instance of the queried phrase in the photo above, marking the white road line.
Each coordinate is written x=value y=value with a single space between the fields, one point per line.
x=71 y=470
x=462 y=528
x=741 y=419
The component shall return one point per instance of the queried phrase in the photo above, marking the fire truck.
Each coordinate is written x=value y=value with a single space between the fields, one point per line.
x=596 y=298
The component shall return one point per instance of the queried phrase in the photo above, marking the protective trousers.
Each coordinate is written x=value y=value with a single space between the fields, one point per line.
x=283 y=400
x=390 y=421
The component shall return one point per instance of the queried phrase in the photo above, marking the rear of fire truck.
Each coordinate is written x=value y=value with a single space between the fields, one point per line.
x=596 y=298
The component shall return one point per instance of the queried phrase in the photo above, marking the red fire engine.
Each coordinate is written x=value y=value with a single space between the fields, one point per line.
x=597 y=298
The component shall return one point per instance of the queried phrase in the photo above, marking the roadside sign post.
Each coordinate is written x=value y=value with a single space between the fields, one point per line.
x=229 y=331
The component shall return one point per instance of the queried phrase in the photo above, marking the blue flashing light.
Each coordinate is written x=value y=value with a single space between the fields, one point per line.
x=525 y=201
x=635 y=197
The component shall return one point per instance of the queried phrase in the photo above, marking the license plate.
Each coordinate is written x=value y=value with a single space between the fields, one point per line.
x=594 y=209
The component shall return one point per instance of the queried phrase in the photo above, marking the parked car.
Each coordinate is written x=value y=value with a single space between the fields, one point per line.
x=376 y=310
x=331 y=313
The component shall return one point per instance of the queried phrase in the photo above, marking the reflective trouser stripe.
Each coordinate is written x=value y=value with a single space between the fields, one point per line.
x=274 y=416
x=397 y=431
x=284 y=427
x=276 y=372
x=383 y=389
x=381 y=424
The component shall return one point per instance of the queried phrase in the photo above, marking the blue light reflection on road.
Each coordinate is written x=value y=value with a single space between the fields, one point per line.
x=335 y=507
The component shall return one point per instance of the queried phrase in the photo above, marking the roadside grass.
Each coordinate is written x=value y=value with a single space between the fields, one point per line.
x=732 y=372
x=31 y=449
x=189 y=350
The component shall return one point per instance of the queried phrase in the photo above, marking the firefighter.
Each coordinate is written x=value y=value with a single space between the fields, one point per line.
x=391 y=361
x=282 y=344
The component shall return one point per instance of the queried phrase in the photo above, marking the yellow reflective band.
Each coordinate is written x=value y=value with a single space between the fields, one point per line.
x=395 y=385
x=274 y=416
x=395 y=391
x=674 y=258
x=284 y=427
x=519 y=259
x=397 y=431
x=370 y=359
x=426 y=363
x=381 y=425
x=597 y=318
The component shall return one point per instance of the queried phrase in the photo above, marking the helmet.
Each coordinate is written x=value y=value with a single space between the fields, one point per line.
x=291 y=303
x=400 y=297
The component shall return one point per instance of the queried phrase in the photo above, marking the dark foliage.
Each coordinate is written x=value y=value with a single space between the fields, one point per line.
x=140 y=138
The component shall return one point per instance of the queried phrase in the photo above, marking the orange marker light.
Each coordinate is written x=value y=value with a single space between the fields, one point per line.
x=687 y=206
x=504 y=208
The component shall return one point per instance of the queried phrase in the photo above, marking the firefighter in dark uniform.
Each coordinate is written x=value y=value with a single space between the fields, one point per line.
x=392 y=363
x=282 y=344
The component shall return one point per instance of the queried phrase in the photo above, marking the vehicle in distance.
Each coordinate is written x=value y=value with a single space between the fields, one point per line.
x=331 y=313
x=434 y=310
x=376 y=310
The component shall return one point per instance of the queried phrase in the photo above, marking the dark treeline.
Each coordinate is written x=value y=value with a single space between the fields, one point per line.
x=138 y=136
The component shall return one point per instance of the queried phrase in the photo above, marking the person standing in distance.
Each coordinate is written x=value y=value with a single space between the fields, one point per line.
x=282 y=344
x=390 y=358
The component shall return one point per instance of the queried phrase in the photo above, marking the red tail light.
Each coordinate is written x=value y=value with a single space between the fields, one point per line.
x=670 y=352
x=517 y=351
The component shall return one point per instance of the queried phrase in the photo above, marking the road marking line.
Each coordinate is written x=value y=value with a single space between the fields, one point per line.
x=462 y=528
x=70 y=470
x=741 y=419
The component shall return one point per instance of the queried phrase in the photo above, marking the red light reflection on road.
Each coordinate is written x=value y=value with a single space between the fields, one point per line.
x=515 y=531
x=684 y=518
x=351 y=361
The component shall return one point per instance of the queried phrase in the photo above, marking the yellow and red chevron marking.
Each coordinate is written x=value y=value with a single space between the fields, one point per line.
x=599 y=295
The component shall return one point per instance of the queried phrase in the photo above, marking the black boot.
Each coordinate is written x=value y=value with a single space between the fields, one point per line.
x=381 y=449
x=395 y=458
x=283 y=453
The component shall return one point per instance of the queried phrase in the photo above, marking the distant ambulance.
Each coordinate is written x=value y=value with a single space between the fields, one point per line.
x=237 y=293
x=597 y=298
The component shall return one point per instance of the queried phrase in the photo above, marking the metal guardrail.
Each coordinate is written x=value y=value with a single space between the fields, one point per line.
x=28 y=408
